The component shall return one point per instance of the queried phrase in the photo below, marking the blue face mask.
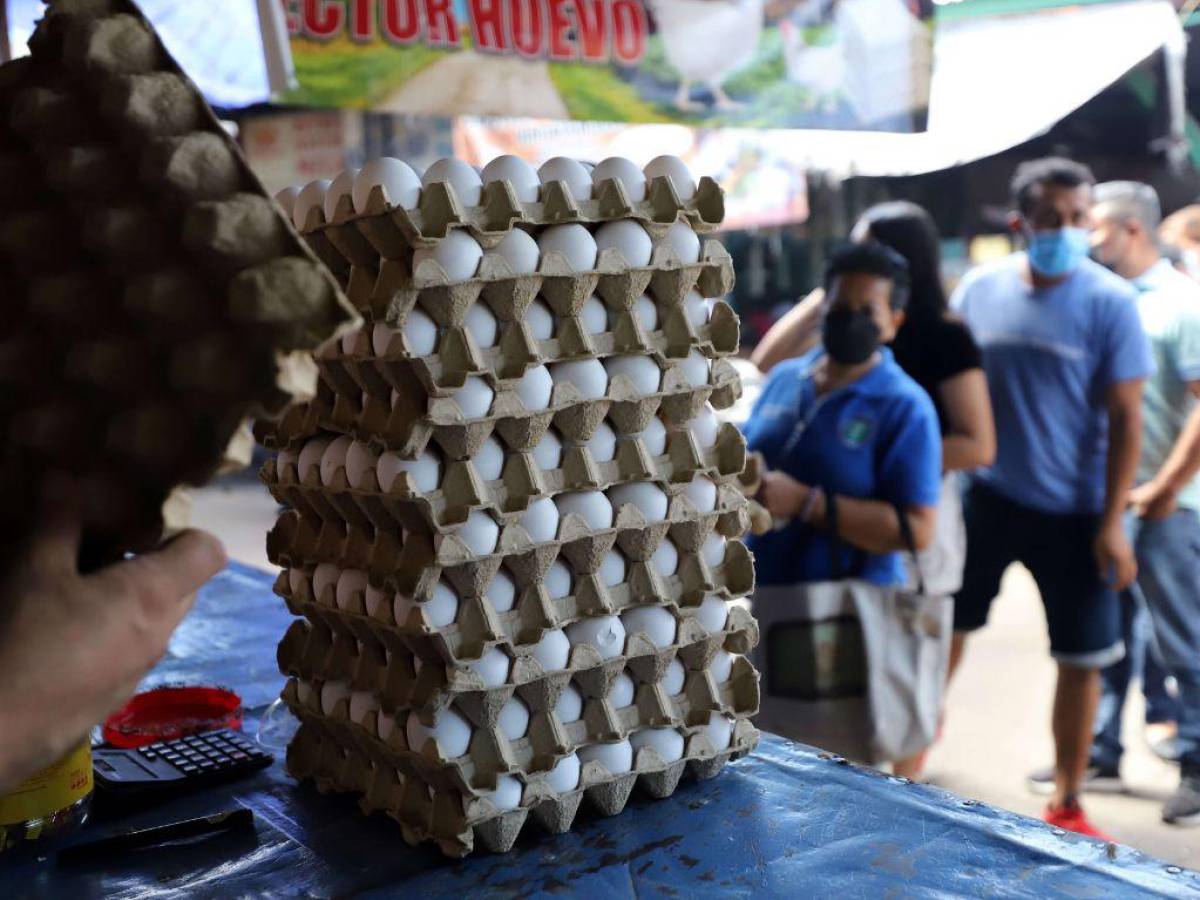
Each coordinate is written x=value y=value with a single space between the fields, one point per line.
x=1056 y=252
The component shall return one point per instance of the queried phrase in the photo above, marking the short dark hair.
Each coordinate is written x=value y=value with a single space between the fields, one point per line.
x=870 y=258
x=1053 y=170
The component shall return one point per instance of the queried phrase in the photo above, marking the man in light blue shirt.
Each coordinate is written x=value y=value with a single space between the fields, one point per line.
x=1065 y=357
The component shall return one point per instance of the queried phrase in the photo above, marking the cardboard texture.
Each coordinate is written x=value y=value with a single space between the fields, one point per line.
x=397 y=499
x=157 y=297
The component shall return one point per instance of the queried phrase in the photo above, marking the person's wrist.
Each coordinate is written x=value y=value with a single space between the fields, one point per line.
x=804 y=511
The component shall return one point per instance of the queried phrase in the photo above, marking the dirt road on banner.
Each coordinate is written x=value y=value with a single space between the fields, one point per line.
x=470 y=83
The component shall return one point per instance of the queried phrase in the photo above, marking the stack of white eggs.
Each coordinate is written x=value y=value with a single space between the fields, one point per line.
x=597 y=609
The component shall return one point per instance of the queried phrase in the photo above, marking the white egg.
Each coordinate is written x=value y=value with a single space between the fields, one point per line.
x=297 y=578
x=721 y=666
x=540 y=320
x=656 y=622
x=442 y=606
x=628 y=238
x=381 y=338
x=457 y=253
x=712 y=613
x=620 y=694
x=666 y=558
x=331 y=693
x=593 y=506
x=630 y=176
x=502 y=592
x=695 y=368
x=702 y=492
x=558 y=580
x=310 y=456
x=384 y=725
x=573 y=242
x=667 y=742
x=462 y=177
x=325 y=578
x=348 y=342
x=286 y=198
x=401 y=185
x=673 y=678
x=304 y=692
x=616 y=757
x=285 y=458
x=641 y=370
x=541 y=520
x=695 y=308
x=489 y=461
x=451 y=731
x=564 y=777
x=594 y=315
x=569 y=707
x=482 y=324
x=605 y=633
x=311 y=196
x=480 y=532
x=534 y=388
x=402 y=606
x=712 y=551
x=340 y=187
x=548 y=453
x=675 y=169
x=574 y=173
x=612 y=568
x=646 y=311
x=553 y=650
x=653 y=437
x=475 y=397
x=361 y=703
x=684 y=241
x=374 y=598
x=519 y=251
x=420 y=332
x=507 y=794
x=361 y=460
x=602 y=445
x=349 y=583
x=514 y=719
x=493 y=667
x=647 y=497
x=704 y=428
x=518 y=173
x=425 y=471
x=587 y=375
x=719 y=731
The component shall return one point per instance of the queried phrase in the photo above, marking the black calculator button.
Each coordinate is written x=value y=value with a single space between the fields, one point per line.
x=188 y=768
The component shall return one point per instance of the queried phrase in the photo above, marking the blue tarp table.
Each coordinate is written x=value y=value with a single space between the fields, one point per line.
x=787 y=821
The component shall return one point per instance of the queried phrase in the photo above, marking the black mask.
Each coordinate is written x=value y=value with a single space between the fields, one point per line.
x=850 y=336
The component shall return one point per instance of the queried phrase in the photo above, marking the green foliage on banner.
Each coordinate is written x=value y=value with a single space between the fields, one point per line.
x=592 y=92
x=344 y=74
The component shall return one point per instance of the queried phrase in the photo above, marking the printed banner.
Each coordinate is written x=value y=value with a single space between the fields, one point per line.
x=845 y=64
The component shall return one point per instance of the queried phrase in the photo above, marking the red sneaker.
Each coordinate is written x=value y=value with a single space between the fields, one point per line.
x=1071 y=817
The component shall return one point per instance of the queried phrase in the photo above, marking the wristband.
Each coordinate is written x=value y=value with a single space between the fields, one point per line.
x=810 y=503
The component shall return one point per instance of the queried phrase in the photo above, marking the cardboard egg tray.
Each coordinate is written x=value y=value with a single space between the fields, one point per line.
x=458 y=822
x=389 y=231
x=157 y=296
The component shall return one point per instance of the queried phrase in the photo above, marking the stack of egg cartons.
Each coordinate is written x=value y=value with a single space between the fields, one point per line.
x=513 y=519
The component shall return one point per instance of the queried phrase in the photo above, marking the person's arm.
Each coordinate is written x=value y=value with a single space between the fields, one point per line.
x=73 y=647
x=971 y=440
x=797 y=331
x=1114 y=554
x=1157 y=498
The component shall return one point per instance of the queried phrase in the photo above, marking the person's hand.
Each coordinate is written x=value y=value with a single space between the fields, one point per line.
x=1153 y=500
x=1114 y=556
x=782 y=495
x=73 y=647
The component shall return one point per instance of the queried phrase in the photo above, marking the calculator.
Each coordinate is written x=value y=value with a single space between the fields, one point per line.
x=160 y=771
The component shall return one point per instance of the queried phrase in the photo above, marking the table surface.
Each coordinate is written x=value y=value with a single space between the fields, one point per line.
x=786 y=821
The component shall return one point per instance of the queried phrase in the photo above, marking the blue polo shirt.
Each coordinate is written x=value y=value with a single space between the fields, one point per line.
x=877 y=439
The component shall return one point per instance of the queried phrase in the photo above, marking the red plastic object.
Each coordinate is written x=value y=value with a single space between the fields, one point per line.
x=170 y=712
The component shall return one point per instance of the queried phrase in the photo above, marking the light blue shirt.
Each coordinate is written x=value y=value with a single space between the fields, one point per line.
x=1050 y=354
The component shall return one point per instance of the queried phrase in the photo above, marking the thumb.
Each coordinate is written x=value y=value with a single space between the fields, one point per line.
x=164 y=577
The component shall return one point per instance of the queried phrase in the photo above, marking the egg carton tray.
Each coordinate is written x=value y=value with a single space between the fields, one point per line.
x=157 y=295
x=383 y=230
x=409 y=419
x=457 y=826
x=463 y=489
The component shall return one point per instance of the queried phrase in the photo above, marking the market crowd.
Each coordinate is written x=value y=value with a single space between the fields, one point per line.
x=914 y=446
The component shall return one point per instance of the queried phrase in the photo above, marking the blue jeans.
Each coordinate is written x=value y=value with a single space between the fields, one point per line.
x=1166 y=597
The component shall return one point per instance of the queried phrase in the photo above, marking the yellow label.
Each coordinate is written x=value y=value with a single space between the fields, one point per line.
x=55 y=787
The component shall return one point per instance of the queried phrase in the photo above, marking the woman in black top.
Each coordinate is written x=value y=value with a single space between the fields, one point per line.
x=935 y=348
